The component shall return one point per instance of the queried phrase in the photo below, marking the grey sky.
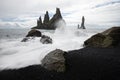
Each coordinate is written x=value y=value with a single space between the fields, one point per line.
x=25 y=12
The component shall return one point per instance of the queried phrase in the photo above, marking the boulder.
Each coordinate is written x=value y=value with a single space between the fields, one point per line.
x=46 y=40
x=54 y=61
x=108 y=38
x=95 y=40
x=34 y=33
x=113 y=32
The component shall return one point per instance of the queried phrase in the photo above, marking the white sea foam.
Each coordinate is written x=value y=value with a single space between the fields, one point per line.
x=15 y=54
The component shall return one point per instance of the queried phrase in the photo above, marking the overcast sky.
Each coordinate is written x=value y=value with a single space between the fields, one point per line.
x=24 y=13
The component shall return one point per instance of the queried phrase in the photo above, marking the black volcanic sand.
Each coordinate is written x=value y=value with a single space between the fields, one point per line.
x=84 y=64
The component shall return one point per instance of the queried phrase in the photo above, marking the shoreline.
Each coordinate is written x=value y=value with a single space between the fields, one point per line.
x=88 y=63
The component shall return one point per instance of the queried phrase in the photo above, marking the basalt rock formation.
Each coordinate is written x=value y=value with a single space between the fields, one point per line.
x=39 y=22
x=49 y=24
x=82 y=24
x=108 y=38
x=46 y=18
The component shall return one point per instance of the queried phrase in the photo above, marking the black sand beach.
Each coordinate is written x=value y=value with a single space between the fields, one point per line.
x=85 y=64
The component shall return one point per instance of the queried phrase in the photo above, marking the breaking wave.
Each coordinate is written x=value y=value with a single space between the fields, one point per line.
x=15 y=54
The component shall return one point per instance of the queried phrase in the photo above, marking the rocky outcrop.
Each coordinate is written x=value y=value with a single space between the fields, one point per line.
x=46 y=40
x=49 y=23
x=54 y=61
x=96 y=40
x=108 y=38
x=31 y=35
x=34 y=33
x=83 y=23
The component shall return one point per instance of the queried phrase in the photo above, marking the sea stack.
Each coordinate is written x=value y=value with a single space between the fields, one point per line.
x=83 y=23
x=49 y=24
x=39 y=21
x=55 y=18
x=46 y=18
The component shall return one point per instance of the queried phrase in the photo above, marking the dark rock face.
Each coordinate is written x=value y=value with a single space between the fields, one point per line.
x=54 y=61
x=49 y=23
x=114 y=33
x=46 y=40
x=113 y=30
x=34 y=33
x=95 y=40
x=108 y=38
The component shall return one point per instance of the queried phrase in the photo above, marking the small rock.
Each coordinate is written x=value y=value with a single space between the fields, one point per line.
x=34 y=33
x=27 y=39
x=46 y=40
x=54 y=61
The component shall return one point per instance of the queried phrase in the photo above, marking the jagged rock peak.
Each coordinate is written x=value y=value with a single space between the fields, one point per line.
x=48 y=23
x=39 y=21
x=46 y=18
x=58 y=12
x=40 y=18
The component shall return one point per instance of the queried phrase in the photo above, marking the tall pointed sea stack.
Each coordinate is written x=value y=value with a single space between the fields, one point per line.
x=46 y=18
x=55 y=18
x=39 y=21
x=82 y=24
x=49 y=24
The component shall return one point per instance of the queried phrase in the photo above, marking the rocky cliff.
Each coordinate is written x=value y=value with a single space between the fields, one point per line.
x=47 y=22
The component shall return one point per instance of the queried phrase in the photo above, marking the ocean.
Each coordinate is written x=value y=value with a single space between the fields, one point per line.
x=15 y=54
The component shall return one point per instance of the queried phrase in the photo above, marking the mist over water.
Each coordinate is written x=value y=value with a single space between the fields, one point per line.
x=16 y=54
x=61 y=26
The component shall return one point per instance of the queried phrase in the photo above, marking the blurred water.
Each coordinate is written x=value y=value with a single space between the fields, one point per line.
x=17 y=54
x=12 y=33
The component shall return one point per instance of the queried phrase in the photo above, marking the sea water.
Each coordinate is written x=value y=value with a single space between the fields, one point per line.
x=15 y=54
